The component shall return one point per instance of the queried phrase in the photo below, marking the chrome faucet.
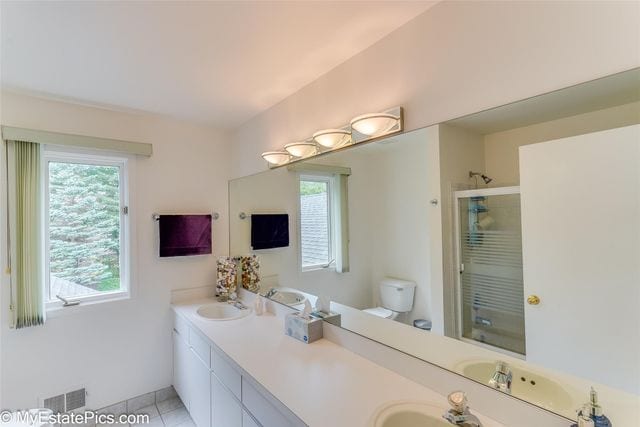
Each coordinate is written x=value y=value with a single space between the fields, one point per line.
x=271 y=292
x=459 y=414
x=233 y=300
x=239 y=305
x=502 y=377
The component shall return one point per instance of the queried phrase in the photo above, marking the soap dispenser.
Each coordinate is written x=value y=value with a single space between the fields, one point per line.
x=594 y=411
x=258 y=305
x=584 y=420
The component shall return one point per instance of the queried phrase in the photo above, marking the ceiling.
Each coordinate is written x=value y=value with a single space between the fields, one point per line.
x=219 y=63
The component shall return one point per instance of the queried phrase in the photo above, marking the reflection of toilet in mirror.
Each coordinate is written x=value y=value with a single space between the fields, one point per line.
x=396 y=297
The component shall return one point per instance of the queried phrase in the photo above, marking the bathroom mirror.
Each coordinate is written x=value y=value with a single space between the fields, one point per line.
x=511 y=235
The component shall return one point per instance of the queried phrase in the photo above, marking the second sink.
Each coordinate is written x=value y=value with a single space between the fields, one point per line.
x=527 y=385
x=288 y=298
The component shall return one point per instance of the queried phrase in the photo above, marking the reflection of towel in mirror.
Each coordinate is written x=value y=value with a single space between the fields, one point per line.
x=226 y=279
x=250 y=266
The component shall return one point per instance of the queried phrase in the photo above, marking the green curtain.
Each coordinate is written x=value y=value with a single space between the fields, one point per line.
x=29 y=289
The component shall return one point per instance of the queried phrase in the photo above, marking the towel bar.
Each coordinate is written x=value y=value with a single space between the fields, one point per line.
x=156 y=217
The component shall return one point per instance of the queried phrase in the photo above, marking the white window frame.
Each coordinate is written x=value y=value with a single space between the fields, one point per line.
x=329 y=179
x=86 y=157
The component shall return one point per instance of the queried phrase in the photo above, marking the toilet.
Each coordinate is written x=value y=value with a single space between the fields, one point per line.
x=396 y=296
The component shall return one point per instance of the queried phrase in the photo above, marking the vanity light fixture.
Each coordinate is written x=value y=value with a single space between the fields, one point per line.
x=332 y=138
x=276 y=158
x=375 y=124
x=361 y=129
x=301 y=149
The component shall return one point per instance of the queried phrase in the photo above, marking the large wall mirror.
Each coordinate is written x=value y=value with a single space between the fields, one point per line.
x=503 y=246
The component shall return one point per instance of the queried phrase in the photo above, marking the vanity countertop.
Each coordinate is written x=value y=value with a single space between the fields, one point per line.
x=322 y=383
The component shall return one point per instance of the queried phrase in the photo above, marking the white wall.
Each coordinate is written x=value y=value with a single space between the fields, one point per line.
x=501 y=148
x=457 y=58
x=121 y=349
x=400 y=236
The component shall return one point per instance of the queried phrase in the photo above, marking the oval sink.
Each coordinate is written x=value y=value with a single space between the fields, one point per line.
x=409 y=414
x=526 y=385
x=289 y=298
x=221 y=311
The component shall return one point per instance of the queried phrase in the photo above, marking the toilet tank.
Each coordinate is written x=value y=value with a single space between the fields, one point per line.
x=396 y=294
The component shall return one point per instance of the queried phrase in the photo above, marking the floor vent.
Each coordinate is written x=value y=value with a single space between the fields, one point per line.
x=56 y=404
x=68 y=402
x=75 y=399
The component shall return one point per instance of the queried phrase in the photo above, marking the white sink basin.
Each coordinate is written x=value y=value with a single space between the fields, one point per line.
x=527 y=385
x=289 y=298
x=409 y=414
x=221 y=311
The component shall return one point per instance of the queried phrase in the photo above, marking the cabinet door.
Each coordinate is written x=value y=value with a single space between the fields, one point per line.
x=247 y=421
x=226 y=373
x=258 y=404
x=180 y=364
x=199 y=393
x=225 y=409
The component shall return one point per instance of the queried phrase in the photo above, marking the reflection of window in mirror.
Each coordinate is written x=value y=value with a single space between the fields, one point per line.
x=317 y=221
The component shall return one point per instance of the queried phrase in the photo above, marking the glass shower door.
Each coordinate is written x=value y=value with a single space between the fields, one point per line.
x=490 y=289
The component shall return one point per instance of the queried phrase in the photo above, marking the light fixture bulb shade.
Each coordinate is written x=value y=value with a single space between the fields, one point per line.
x=332 y=138
x=374 y=124
x=276 y=157
x=301 y=149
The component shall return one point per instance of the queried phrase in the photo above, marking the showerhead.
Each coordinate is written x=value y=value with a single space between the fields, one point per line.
x=484 y=177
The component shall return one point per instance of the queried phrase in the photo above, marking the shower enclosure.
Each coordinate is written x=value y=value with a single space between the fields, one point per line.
x=489 y=289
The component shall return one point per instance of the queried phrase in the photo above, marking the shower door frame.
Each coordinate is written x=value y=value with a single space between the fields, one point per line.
x=464 y=194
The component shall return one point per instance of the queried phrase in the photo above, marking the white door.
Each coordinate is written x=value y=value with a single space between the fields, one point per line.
x=180 y=367
x=225 y=409
x=199 y=381
x=581 y=254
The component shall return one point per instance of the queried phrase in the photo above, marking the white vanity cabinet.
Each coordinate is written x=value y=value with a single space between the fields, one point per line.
x=262 y=407
x=214 y=389
x=198 y=381
x=226 y=410
x=180 y=365
x=248 y=421
x=199 y=390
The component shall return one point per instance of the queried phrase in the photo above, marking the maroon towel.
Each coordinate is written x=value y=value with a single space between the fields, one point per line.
x=184 y=235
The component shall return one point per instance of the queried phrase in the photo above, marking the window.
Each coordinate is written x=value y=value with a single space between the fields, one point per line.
x=85 y=215
x=316 y=219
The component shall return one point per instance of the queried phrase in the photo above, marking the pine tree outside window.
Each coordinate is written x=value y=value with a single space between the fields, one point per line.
x=85 y=225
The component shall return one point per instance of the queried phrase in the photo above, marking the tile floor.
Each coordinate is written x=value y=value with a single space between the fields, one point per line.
x=168 y=413
x=164 y=407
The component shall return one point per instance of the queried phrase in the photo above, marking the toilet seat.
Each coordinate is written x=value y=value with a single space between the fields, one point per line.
x=380 y=312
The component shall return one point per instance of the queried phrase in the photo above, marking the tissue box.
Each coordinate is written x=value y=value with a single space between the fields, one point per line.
x=304 y=329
